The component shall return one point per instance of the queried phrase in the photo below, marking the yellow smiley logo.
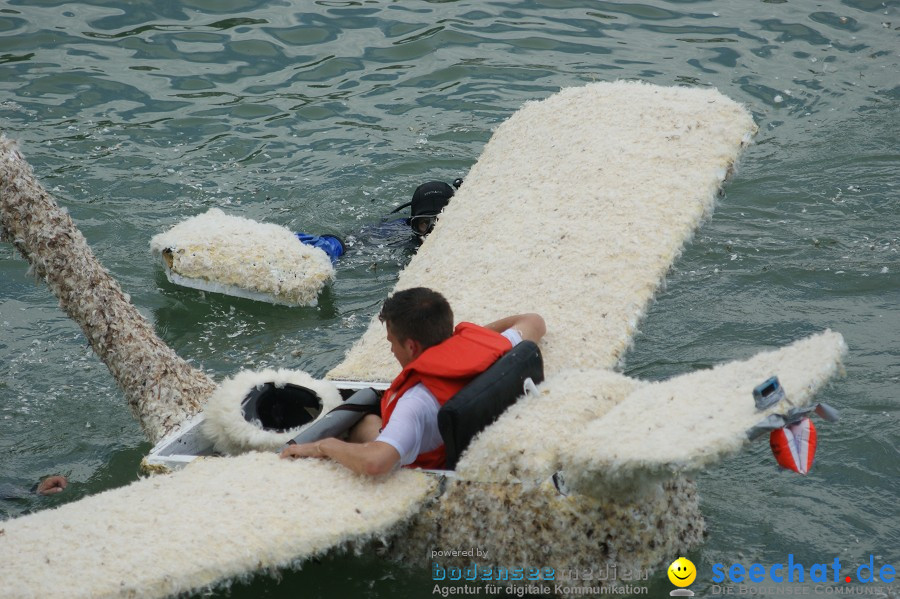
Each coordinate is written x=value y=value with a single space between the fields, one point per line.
x=682 y=572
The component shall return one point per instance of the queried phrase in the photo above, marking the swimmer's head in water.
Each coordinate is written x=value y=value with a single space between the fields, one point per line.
x=428 y=201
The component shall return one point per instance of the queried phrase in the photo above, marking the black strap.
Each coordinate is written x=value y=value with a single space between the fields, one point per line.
x=399 y=208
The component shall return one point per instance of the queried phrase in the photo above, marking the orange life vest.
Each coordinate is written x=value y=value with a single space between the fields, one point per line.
x=444 y=369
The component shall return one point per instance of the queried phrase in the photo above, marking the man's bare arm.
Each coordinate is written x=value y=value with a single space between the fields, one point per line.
x=531 y=326
x=374 y=458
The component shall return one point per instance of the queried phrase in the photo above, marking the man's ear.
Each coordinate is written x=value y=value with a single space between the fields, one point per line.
x=413 y=347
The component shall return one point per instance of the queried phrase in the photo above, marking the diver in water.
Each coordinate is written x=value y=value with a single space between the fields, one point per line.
x=16 y=499
x=50 y=485
x=428 y=201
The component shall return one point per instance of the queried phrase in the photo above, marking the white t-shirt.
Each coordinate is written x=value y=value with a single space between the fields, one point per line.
x=413 y=427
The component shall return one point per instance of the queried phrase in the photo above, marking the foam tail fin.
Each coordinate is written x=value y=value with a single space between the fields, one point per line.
x=691 y=421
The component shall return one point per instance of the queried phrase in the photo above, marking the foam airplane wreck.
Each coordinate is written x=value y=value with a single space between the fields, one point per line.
x=649 y=162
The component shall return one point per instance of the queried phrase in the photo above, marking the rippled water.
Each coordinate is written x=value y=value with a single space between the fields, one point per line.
x=323 y=116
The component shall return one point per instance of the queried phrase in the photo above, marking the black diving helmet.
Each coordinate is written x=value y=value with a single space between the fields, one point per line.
x=428 y=200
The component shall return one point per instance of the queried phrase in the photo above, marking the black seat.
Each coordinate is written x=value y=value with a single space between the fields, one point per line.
x=477 y=405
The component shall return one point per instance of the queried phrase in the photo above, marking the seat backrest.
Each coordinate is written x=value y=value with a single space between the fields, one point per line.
x=477 y=405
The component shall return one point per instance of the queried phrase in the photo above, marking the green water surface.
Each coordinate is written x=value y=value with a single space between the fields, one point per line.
x=322 y=116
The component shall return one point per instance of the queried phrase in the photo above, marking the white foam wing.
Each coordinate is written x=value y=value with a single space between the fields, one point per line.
x=576 y=209
x=217 y=519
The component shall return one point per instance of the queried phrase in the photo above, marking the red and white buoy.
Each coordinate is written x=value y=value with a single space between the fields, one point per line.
x=794 y=445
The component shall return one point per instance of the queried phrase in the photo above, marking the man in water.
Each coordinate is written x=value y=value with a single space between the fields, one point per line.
x=428 y=201
x=49 y=486
x=15 y=499
x=437 y=361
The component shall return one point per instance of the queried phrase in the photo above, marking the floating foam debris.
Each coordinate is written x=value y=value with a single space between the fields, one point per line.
x=241 y=257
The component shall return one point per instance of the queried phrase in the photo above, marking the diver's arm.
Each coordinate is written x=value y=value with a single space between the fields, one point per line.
x=531 y=326
x=374 y=458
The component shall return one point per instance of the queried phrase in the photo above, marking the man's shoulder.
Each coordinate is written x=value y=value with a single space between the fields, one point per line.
x=464 y=328
x=419 y=394
x=469 y=326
